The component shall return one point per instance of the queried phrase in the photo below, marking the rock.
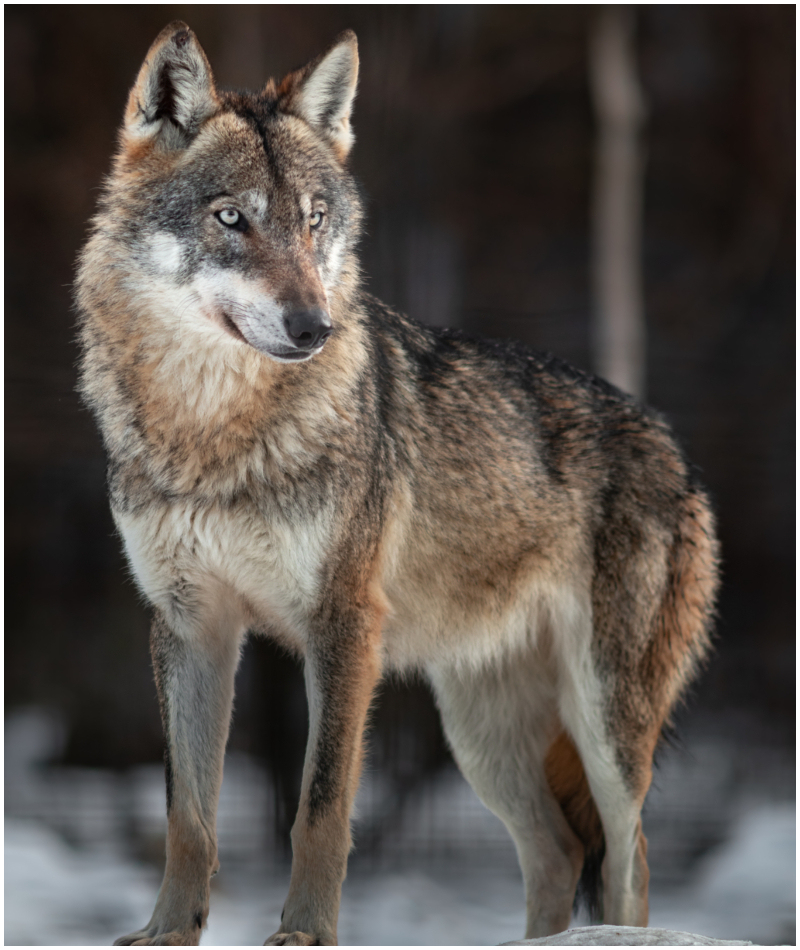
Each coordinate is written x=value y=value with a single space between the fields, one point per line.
x=626 y=937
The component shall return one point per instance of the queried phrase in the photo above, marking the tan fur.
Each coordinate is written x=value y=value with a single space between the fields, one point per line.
x=386 y=497
x=567 y=779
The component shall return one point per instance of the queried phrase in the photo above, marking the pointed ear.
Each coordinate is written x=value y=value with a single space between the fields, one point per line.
x=174 y=91
x=322 y=92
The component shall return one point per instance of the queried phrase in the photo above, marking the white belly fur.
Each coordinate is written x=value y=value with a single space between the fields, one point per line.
x=203 y=566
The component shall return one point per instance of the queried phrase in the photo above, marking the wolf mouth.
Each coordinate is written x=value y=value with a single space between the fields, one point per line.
x=292 y=355
x=231 y=327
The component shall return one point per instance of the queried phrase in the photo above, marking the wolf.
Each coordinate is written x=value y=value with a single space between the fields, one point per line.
x=289 y=457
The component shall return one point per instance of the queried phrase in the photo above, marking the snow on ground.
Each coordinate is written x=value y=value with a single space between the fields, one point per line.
x=58 y=895
x=746 y=888
x=723 y=862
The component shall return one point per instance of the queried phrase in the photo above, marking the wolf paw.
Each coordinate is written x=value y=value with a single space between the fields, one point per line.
x=296 y=939
x=145 y=938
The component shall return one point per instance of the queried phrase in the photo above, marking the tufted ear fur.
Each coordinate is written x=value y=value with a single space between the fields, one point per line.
x=174 y=92
x=322 y=92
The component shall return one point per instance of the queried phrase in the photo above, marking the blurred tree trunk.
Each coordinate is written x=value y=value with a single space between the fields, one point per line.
x=619 y=332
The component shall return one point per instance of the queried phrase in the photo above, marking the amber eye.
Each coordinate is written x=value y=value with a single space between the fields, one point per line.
x=316 y=220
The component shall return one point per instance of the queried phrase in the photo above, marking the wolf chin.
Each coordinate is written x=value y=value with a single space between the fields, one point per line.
x=289 y=457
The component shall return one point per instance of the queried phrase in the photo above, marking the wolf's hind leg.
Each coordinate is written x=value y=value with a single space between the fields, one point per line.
x=500 y=723
x=618 y=794
x=194 y=676
x=615 y=736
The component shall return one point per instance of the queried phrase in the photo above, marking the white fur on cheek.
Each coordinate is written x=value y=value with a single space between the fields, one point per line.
x=166 y=252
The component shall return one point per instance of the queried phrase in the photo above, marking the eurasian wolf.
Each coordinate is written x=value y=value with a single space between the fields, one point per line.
x=290 y=457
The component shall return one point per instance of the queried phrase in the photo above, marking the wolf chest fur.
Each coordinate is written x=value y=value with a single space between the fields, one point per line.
x=289 y=457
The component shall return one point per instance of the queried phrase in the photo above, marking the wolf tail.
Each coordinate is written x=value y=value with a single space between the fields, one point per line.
x=570 y=786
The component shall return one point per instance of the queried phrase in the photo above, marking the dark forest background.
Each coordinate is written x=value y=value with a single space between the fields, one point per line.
x=474 y=142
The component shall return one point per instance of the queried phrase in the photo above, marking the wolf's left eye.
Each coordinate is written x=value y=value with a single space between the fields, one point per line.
x=231 y=218
x=316 y=220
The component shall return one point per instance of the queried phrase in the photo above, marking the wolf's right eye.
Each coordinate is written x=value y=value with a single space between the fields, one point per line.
x=231 y=218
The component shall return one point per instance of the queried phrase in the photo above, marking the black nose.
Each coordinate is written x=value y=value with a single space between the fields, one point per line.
x=308 y=329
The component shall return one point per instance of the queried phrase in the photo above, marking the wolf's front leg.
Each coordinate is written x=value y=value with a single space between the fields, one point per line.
x=341 y=671
x=194 y=676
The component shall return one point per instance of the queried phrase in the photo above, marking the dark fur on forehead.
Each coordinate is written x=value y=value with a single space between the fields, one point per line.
x=263 y=106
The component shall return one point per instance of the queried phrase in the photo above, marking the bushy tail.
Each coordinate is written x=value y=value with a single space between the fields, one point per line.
x=568 y=782
x=680 y=640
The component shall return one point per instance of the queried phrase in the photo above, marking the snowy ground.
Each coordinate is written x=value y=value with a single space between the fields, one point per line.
x=447 y=875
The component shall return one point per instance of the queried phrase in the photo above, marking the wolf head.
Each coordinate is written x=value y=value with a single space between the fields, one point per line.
x=233 y=215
